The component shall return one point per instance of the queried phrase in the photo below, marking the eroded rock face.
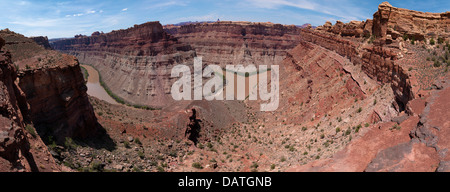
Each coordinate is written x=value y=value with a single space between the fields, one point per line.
x=134 y=63
x=16 y=151
x=231 y=43
x=42 y=41
x=376 y=61
x=352 y=29
x=395 y=21
x=54 y=89
x=59 y=105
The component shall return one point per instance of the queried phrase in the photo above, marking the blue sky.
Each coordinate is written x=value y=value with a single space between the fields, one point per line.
x=66 y=18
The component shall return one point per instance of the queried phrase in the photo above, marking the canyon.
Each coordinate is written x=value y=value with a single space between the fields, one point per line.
x=48 y=103
x=360 y=96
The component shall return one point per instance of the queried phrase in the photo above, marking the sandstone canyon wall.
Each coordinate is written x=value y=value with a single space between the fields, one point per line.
x=375 y=60
x=54 y=89
x=396 y=22
x=20 y=149
x=231 y=43
x=135 y=63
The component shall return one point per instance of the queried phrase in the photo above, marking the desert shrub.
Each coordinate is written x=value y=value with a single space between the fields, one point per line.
x=31 y=130
x=432 y=42
x=197 y=165
x=70 y=144
x=440 y=40
x=141 y=154
x=137 y=141
x=437 y=63
x=405 y=37
x=348 y=132
x=254 y=165
x=160 y=169
x=272 y=167
x=126 y=144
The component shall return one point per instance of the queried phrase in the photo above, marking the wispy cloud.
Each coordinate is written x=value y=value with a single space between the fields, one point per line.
x=125 y=9
x=168 y=4
x=207 y=17
x=345 y=9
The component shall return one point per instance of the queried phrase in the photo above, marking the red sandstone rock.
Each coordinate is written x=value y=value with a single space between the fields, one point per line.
x=398 y=21
x=19 y=150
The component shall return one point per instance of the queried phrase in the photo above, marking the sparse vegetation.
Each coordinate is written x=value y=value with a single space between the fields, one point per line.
x=359 y=110
x=197 y=165
x=432 y=42
x=31 y=130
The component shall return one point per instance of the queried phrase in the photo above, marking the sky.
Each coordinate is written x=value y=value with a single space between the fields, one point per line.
x=66 y=18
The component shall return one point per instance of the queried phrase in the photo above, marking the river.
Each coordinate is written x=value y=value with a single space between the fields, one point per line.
x=94 y=87
x=96 y=90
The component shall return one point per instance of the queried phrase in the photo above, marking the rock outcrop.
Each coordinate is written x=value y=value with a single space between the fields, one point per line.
x=42 y=41
x=20 y=148
x=59 y=105
x=376 y=61
x=389 y=20
x=352 y=29
x=54 y=89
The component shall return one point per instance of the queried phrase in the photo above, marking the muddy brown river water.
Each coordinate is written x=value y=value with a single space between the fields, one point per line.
x=94 y=87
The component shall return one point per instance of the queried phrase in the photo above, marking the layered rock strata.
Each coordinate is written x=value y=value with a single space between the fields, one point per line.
x=20 y=148
x=54 y=88
x=135 y=64
x=231 y=43
x=396 y=22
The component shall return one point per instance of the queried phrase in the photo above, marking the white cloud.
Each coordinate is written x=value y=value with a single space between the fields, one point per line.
x=345 y=10
x=167 y=4
x=38 y=22
x=125 y=9
x=208 y=17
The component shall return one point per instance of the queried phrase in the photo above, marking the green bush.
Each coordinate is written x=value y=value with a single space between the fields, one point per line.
x=137 y=141
x=437 y=63
x=440 y=40
x=31 y=130
x=197 y=165
x=348 y=132
x=69 y=143
x=432 y=42
x=405 y=37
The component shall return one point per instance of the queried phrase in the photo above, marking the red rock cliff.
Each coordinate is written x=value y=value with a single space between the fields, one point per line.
x=20 y=149
x=232 y=43
x=134 y=63
x=54 y=89
x=376 y=61
x=389 y=20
